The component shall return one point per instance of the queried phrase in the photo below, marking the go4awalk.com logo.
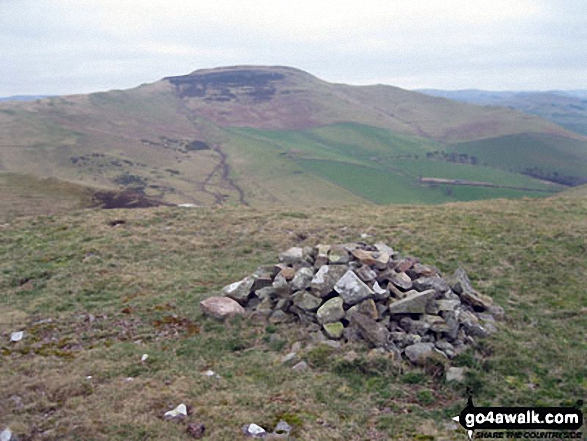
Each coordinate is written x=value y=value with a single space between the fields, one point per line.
x=555 y=423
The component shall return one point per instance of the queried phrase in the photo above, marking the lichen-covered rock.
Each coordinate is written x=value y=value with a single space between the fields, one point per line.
x=331 y=311
x=334 y=330
x=306 y=301
x=412 y=304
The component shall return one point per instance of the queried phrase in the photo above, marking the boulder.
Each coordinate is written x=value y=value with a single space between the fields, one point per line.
x=416 y=353
x=401 y=280
x=292 y=256
x=366 y=274
x=412 y=304
x=326 y=278
x=338 y=255
x=306 y=301
x=352 y=289
x=239 y=291
x=371 y=331
x=302 y=279
x=221 y=308
x=438 y=284
x=331 y=311
x=334 y=330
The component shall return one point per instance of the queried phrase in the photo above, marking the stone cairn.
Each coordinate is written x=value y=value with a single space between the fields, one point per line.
x=359 y=292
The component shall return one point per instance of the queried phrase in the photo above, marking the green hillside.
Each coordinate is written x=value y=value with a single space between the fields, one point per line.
x=372 y=163
x=544 y=154
x=94 y=290
x=277 y=135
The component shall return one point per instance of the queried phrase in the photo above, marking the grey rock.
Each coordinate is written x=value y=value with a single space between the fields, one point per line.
x=266 y=292
x=380 y=246
x=331 y=311
x=436 y=283
x=416 y=353
x=263 y=277
x=401 y=280
x=281 y=287
x=379 y=292
x=301 y=366
x=239 y=291
x=368 y=308
x=289 y=357
x=221 y=307
x=326 y=278
x=412 y=304
x=419 y=270
x=446 y=347
x=282 y=428
x=306 y=301
x=254 y=431
x=302 y=279
x=373 y=332
x=352 y=289
x=456 y=374
x=291 y=256
x=366 y=274
x=462 y=286
x=448 y=305
x=338 y=255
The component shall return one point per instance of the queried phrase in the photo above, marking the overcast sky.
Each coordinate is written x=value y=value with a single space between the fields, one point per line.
x=80 y=46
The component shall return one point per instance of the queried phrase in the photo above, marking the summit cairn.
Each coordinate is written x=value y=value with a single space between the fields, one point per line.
x=369 y=293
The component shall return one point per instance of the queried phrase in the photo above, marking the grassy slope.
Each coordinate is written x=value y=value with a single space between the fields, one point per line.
x=29 y=195
x=367 y=161
x=565 y=109
x=41 y=138
x=551 y=153
x=528 y=255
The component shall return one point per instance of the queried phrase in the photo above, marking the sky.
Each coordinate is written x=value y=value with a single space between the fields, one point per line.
x=57 y=47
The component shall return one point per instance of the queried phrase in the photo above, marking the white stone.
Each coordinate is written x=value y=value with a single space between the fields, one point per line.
x=179 y=410
x=16 y=336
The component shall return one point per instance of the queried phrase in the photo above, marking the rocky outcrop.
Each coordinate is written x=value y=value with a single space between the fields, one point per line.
x=359 y=292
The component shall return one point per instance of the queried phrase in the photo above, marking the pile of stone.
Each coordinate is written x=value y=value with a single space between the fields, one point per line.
x=360 y=292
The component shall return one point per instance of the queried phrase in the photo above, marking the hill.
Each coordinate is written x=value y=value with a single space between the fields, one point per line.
x=276 y=135
x=565 y=108
x=94 y=290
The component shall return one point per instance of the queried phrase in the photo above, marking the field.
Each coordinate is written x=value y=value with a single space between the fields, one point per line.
x=94 y=290
x=374 y=164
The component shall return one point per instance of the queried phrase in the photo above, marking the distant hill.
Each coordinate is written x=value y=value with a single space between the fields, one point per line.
x=277 y=135
x=23 y=97
x=566 y=108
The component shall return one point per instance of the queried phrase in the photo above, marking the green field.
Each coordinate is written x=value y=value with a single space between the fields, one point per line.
x=372 y=163
x=516 y=152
